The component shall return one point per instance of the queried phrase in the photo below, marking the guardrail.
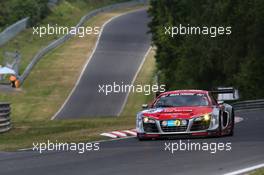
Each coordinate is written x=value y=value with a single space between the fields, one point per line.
x=11 y=31
x=249 y=104
x=5 y=122
x=64 y=38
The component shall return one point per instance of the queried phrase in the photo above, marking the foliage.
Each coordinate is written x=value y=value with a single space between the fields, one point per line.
x=14 y=10
x=204 y=62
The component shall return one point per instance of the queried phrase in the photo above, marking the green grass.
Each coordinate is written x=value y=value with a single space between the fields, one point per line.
x=67 y=13
x=48 y=86
x=30 y=130
x=257 y=172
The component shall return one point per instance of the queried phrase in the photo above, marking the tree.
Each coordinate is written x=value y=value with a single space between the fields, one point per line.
x=204 y=62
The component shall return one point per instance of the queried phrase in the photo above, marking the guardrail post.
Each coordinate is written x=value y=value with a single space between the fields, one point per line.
x=5 y=121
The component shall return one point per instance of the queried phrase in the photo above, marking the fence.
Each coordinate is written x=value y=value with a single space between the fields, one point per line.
x=250 y=104
x=13 y=30
x=64 y=38
x=5 y=123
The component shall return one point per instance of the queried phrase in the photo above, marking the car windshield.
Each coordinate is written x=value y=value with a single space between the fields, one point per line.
x=178 y=100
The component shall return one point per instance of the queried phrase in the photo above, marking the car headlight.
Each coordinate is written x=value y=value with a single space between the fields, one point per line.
x=148 y=120
x=205 y=118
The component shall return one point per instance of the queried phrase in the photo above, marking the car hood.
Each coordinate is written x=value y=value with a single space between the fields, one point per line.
x=177 y=112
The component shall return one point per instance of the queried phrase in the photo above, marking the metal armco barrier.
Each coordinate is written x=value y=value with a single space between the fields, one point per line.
x=64 y=38
x=11 y=31
x=250 y=104
x=5 y=122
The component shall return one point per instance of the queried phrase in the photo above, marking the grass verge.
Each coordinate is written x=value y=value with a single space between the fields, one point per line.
x=48 y=86
x=66 y=13
x=258 y=172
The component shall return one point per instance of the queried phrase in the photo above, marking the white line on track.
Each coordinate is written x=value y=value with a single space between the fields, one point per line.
x=90 y=57
x=141 y=64
x=245 y=170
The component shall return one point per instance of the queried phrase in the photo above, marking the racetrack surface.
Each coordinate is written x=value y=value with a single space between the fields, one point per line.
x=130 y=157
x=120 y=51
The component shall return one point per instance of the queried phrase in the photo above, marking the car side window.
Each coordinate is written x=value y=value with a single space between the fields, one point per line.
x=213 y=99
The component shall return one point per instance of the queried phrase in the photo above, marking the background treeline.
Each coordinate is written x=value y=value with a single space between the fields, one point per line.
x=203 y=62
x=14 y=10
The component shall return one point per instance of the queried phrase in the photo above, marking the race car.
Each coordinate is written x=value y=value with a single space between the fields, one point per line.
x=186 y=113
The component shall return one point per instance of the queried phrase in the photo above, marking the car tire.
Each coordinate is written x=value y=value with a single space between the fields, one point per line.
x=220 y=125
x=141 y=137
x=232 y=124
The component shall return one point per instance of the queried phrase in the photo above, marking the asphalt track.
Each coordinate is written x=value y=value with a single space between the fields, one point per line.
x=130 y=157
x=120 y=51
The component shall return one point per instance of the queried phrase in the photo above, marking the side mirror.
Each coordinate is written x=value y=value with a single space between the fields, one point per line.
x=220 y=102
x=144 y=106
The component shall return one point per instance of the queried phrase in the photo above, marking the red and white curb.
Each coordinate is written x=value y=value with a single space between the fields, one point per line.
x=120 y=134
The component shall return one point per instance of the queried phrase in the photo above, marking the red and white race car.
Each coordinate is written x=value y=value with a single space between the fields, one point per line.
x=185 y=113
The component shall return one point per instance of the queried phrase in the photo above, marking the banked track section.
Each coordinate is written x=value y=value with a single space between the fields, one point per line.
x=119 y=53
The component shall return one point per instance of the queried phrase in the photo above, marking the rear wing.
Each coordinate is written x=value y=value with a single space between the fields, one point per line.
x=226 y=93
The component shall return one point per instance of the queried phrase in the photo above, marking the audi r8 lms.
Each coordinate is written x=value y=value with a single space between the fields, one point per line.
x=185 y=113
